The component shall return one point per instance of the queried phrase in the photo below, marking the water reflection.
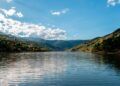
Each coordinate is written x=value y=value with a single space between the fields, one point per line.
x=112 y=61
x=25 y=67
x=59 y=69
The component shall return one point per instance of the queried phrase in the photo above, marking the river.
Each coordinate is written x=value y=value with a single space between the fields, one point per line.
x=59 y=69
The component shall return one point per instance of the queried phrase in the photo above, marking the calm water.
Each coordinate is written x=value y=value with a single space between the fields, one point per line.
x=59 y=69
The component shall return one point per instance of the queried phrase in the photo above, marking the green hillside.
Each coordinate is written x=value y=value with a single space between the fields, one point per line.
x=56 y=45
x=10 y=43
x=61 y=45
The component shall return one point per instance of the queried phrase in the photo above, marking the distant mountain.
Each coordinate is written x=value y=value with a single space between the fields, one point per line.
x=14 y=44
x=57 y=45
x=108 y=43
x=9 y=43
x=64 y=44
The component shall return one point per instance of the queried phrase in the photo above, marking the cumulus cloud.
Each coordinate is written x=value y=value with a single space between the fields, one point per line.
x=113 y=2
x=21 y=29
x=11 y=12
x=58 y=13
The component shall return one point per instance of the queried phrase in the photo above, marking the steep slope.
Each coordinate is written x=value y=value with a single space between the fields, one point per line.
x=10 y=43
x=108 y=43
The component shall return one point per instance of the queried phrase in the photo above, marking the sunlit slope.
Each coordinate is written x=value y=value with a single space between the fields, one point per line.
x=108 y=43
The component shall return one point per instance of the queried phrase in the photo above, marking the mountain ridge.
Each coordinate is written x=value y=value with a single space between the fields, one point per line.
x=18 y=44
x=108 y=43
x=9 y=43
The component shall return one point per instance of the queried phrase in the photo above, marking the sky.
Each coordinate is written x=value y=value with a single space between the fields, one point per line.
x=59 y=19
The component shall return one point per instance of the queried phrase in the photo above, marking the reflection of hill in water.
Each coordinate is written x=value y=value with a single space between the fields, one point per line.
x=113 y=61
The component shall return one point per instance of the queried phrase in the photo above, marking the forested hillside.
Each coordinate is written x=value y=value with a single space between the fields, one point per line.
x=13 y=44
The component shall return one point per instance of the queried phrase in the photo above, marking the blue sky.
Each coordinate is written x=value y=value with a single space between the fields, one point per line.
x=80 y=19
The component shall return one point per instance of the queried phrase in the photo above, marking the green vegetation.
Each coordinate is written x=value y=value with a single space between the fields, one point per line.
x=108 y=43
x=61 y=45
x=10 y=43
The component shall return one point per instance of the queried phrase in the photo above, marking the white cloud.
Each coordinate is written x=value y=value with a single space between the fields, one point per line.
x=9 y=1
x=113 y=2
x=11 y=12
x=58 y=13
x=19 y=14
x=21 y=29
